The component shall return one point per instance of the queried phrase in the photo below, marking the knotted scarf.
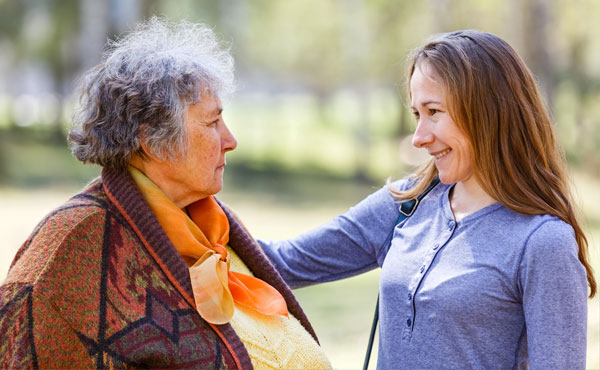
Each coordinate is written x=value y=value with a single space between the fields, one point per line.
x=200 y=237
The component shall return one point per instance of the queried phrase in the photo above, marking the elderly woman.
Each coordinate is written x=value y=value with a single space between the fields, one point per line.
x=145 y=267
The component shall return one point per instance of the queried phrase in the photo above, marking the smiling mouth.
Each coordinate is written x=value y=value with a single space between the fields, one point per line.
x=442 y=153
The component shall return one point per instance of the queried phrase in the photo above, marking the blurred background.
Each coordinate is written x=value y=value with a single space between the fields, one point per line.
x=320 y=113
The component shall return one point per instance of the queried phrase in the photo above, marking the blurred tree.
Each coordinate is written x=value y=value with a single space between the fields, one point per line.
x=324 y=49
x=11 y=18
x=535 y=28
x=40 y=33
x=355 y=41
x=577 y=74
x=234 y=18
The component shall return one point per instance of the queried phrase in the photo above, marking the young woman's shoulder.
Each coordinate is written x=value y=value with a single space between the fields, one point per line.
x=549 y=265
x=541 y=234
x=403 y=184
x=538 y=225
x=552 y=234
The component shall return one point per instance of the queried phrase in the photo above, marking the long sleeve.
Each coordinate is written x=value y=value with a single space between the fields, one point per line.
x=17 y=350
x=554 y=291
x=351 y=243
x=34 y=334
x=496 y=290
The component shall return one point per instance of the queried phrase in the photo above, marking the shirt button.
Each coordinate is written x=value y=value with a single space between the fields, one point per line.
x=435 y=248
x=409 y=296
x=422 y=269
x=450 y=224
x=408 y=322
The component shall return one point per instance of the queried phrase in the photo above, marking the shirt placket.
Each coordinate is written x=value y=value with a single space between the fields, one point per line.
x=418 y=277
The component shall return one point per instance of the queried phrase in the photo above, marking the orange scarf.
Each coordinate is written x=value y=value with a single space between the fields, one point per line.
x=200 y=239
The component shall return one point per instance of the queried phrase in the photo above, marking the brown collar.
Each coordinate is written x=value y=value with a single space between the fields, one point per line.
x=125 y=196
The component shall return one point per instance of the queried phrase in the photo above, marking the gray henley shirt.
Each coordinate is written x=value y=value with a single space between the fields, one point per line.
x=496 y=290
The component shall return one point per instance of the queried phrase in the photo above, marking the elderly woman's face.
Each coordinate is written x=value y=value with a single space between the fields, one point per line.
x=199 y=173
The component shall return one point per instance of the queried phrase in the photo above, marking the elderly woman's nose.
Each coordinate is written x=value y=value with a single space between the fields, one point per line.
x=422 y=136
x=228 y=140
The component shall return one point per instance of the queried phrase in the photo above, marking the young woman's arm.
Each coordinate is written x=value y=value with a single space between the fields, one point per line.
x=554 y=290
x=351 y=243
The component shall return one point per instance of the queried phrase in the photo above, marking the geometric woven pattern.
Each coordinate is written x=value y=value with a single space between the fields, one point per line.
x=99 y=284
x=17 y=321
x=113 y=307
x=153 y=339
x=162 y=317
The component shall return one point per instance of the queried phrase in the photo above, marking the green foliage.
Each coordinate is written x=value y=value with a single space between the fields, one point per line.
x=323 y=82
x=32 y=158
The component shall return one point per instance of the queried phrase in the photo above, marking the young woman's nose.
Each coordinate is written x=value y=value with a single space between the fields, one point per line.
x=422 y=135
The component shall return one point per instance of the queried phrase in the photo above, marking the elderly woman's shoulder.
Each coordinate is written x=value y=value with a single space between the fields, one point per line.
x=75 y=222
x=91 y=199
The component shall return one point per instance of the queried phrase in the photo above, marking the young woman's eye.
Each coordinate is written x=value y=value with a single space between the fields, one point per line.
x=433 y=111
x=415 y=114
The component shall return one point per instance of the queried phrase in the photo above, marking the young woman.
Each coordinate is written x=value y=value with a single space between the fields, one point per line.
x=491 y=271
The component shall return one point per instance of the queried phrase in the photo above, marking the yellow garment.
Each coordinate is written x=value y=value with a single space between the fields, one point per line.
x=200 y=236
x=274 y=342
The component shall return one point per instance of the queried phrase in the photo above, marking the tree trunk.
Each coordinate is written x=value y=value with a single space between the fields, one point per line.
x=536 y=20
x=355 y=47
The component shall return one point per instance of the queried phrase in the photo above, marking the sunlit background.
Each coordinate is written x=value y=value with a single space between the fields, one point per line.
x=320 y=112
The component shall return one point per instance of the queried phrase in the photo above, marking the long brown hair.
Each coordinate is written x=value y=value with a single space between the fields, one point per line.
x=493 y=98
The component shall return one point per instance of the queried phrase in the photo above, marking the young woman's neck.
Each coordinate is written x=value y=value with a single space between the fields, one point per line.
x=468 y=197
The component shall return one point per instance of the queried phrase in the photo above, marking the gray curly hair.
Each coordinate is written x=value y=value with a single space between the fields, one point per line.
x=142 y=89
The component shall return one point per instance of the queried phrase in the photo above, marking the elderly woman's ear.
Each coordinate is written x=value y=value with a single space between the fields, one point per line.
x=148 y=150
x=143 y=151
x=144 y=158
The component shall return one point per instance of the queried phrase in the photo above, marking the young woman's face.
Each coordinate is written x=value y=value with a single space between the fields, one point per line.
x=436 y=131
